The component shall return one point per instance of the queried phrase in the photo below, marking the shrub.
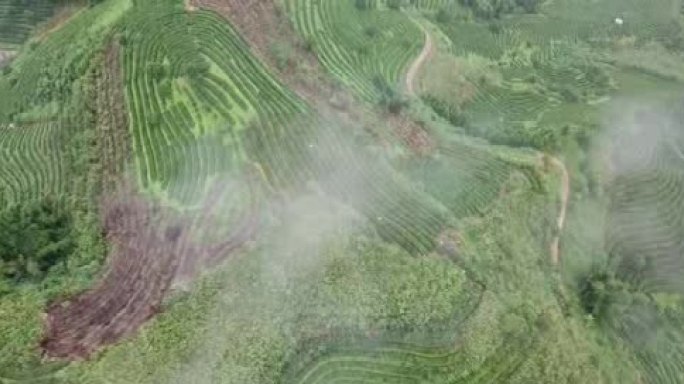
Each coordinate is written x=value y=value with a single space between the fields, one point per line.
x=443 y=16
x=35 y=237
x=390 y=99
x=371 y=31
x=364 y=4
x=394 y=4
x=569 y=94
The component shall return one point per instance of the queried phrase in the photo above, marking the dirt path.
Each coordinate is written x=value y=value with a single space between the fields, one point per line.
x=427 y=52
x=565 y=196
x=61 y=18
x=152 y=247
x=6 y=56
x=414 y=69
x=190 y=6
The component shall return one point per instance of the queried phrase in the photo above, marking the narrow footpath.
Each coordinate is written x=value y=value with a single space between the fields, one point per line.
x=427 y=52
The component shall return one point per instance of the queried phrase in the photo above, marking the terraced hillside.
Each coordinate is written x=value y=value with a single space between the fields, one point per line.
x=19 y=17
x=219 y=191
x=369 y=54
x=211 y=116
x=520 y=72
x=32 y=164
x=644 y=241
x=190 y=105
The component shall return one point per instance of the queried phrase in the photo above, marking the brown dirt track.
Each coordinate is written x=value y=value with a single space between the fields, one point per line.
x=150 y=247
x=112 y=118
x=425 y=55
x=565 y=197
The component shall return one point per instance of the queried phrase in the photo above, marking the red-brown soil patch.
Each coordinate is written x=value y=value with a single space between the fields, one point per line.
x=414 y=136
x=112 y=118
x=264 y=25
x=150 y=247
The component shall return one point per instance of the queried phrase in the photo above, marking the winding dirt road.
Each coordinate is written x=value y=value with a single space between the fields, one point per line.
x=565 y=196
x=427 y=52
x=425 y=55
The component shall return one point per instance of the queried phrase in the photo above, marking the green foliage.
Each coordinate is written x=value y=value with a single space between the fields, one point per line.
x=451 y=113
x=390 y=98
x=34 y=163
x=521 y=92
x=44 y=73
x=443 y=16
x=598 y=290
x=19 y=17
x=347 y=45
x=36 y=237
x=480 y=303
x=365 y=4
x=488 y=9
x=394 y=4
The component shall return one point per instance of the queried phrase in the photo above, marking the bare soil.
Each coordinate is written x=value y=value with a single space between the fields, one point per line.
x=189 y=7
x=560 y=221
x=151 y=246
x=425 y=55
x=6 y=57
x=112 y=118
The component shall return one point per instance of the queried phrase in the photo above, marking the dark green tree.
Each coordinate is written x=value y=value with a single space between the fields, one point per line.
x=35 y=237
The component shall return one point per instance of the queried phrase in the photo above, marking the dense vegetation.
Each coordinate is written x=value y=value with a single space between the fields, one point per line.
x=496 y=8
x=36 y=237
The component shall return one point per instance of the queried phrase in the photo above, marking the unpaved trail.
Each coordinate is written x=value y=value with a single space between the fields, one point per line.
x=565 y=196
x=189 y=6
x=58 y=20
x=414 y=69
x=427 y=52
x=6 y=56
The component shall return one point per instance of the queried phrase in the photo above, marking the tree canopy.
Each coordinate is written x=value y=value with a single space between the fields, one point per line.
x=35 y=237
x=495 y=8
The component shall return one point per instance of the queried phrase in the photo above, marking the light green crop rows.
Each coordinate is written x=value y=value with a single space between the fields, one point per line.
x=431 y=4
x=404 y=363
x=18 y=18
x=189 y=127
x=644 y=238
x=31 y=164
x=42 y=76
x=358 y=47
x=587 y=19
x=647 y=202
x=464 y=178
